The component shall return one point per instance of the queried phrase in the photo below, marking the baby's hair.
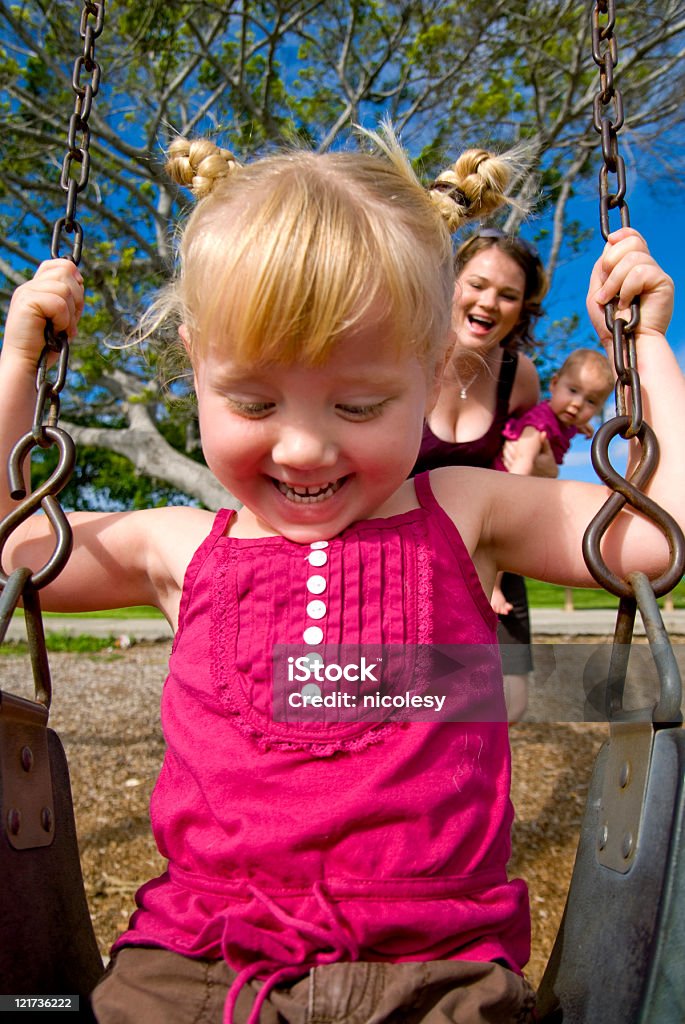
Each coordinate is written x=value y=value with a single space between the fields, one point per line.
x=522 y=337
x=283 y=255
x=591 y=357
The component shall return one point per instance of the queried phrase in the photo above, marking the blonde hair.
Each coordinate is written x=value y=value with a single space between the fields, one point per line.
x=597 y=360
x=282 y=256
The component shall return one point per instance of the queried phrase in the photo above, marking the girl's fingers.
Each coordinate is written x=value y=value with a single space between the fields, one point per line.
x=55 y=293
x=626 y=270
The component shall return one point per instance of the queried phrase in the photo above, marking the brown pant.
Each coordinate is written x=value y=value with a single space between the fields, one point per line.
x=157 y=987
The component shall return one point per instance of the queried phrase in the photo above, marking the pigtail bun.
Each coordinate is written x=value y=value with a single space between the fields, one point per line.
x=473 y=187
x=199 y=164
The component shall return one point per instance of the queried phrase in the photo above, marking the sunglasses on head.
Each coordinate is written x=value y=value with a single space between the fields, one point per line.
x=527 y=247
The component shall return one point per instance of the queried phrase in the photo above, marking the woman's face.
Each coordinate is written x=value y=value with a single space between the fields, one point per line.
x=488 y=299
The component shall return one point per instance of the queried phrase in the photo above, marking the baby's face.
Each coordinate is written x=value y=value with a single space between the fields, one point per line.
x=311 y=450
x=578 y=394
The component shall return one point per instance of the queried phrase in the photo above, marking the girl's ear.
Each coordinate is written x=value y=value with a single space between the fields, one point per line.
x=184 y=335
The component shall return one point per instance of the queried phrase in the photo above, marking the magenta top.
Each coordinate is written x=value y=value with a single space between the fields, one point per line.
x=544 y=419
x=289 y=845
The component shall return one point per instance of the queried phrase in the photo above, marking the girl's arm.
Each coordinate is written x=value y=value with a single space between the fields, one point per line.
x=541 y=533
x=118 y=559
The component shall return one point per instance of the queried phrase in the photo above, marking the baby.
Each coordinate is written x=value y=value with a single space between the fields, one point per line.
x=578 y=392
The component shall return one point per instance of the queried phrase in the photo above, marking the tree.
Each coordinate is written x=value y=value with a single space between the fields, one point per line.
x=252 y=73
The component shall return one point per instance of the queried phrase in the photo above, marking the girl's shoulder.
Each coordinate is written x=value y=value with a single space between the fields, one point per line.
x=464 y=493
x=175 y=531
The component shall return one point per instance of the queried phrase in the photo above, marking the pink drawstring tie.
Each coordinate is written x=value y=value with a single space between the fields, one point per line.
x=342 y=946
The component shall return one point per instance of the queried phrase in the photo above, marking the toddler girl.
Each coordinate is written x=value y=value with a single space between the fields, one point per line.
x=341 y=869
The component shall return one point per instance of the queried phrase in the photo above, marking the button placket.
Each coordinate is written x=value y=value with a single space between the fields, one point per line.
x=316 y=584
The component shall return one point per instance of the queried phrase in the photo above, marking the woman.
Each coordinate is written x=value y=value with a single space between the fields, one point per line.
x=501 y=283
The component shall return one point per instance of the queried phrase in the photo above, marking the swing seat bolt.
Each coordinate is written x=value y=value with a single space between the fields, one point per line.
x=627 y=845
x=603 y=837
x=26 y=759
x=46 y=819
x=13 y=821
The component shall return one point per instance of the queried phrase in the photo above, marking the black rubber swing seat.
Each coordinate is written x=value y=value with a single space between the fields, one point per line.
x=47 y=943
x=619 y=957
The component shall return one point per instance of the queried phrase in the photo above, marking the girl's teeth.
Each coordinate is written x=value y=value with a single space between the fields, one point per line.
x=308 y=495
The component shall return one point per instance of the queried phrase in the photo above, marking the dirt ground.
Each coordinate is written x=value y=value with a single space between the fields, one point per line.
x=106 y=710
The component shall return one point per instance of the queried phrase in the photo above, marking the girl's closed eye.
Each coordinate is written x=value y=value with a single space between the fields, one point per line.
x=250 y=409
x=368 y=411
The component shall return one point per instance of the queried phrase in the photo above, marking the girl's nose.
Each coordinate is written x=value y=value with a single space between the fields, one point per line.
x=302 y=447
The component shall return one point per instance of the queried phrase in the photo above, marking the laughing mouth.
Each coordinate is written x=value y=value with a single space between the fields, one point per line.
x=482 y=322
x=309 y=495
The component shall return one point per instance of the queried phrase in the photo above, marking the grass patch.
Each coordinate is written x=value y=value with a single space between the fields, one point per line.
x=547 y=595
x=141 y=611
x=63 y=642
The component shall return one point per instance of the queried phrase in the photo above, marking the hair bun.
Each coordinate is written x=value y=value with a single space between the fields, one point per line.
x=474 y=186
x=198 y=164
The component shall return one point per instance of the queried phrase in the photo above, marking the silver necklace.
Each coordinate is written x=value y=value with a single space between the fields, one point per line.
x=464 y=388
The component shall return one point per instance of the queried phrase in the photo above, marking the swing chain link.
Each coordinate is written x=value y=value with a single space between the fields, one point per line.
x=637 y=591
x=608 y=100
x=76 y=164
x=53 y=361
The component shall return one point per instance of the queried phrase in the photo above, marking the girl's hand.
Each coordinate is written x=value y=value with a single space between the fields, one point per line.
x=55 y=293
x=626 y=269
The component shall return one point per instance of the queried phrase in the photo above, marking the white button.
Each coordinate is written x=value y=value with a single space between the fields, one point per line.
x=313 y=635
x=313 y=658
x=316 y=584
x=310 y=690
x=316 y=609
x=317 y=558
x=315 y=545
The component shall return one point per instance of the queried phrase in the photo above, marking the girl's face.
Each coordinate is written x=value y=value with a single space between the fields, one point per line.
x=578 y=394
x=310 y=450
x=488 y=299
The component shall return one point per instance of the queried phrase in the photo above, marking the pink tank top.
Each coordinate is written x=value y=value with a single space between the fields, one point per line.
x=291 y=846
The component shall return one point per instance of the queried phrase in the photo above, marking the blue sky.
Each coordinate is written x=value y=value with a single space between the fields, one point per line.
x=662 y=222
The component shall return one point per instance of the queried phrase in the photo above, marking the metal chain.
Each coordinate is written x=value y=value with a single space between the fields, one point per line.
x=608 y=100
x=637 y=590
x=45 y=432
